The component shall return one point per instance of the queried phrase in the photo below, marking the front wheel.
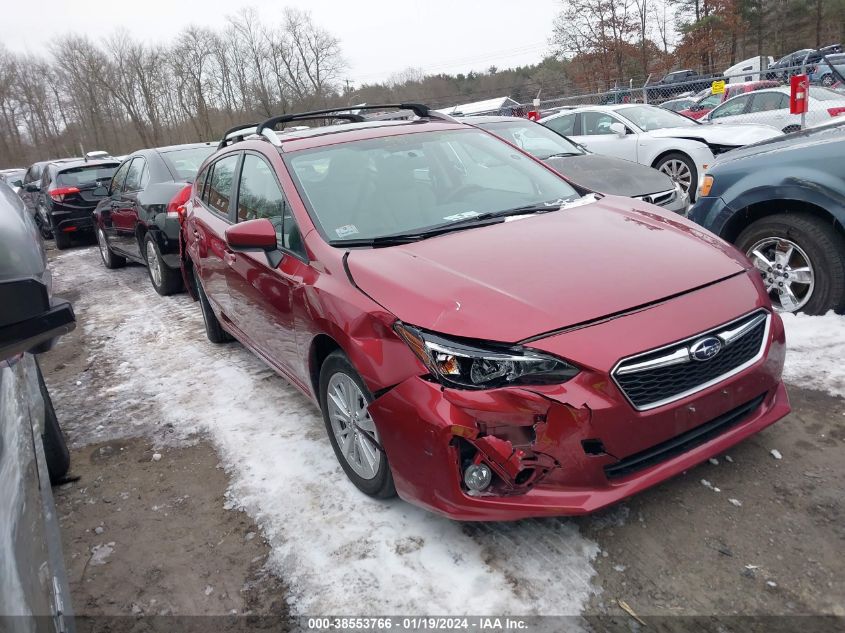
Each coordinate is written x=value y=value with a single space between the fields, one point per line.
x=165 y=279
x=344 y=399
x=801 y=259
x=828 y=80
x=680 y=168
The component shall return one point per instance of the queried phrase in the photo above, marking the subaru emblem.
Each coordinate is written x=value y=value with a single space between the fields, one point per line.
x=705 y=348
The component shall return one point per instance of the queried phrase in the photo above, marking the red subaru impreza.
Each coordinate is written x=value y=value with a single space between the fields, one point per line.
x=482 y=337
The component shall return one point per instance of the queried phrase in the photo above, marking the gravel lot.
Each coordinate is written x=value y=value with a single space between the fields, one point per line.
x=201 y=469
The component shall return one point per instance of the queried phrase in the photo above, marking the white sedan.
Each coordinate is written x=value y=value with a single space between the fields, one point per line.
x=679 y=147
x=771 y=106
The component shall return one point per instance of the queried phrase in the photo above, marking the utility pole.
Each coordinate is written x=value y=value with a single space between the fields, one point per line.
x=348 y=86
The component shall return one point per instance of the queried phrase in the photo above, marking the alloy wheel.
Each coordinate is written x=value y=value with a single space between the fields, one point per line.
x=153 y=264
x=678 y=171
x=353 y=428
x=104 y=246
x=786 y=270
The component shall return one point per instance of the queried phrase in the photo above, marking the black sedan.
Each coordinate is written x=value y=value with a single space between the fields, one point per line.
x=595 y=172
x=139 y=218
x=780 y=202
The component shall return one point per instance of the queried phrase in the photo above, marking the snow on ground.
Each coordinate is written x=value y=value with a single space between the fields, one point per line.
x=153 y=371
x=815 y=352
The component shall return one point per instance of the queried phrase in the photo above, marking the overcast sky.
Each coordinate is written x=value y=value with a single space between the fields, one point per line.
x=378 y=37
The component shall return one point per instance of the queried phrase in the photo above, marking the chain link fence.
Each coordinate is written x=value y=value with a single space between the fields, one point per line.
x=758 y=95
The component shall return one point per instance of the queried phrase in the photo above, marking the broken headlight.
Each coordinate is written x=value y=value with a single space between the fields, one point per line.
x=485 y=365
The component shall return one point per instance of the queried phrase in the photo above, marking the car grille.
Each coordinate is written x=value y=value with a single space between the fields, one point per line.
x=684 y=442
x=660 y=199
x=670 y=373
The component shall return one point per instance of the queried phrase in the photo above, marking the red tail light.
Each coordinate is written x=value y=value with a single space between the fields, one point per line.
x=176 y=207
x=59 y=194
x=835 y=111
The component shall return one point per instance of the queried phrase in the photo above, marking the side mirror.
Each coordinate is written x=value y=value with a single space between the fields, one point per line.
x=33 y=187
x=695 y=108
x=29 y=321
x=252 y=235
x=16 y=183
x=618 y=129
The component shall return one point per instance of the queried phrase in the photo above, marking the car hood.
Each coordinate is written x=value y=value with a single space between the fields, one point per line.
x=735 y=135
x=518 y=279
x=788 y=142
x=611 y=175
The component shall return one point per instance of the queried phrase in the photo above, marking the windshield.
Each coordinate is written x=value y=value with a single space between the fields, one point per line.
x=534 y=138
x=185 y=163
x=649 y=118
x=410 y=183
x=85 y=175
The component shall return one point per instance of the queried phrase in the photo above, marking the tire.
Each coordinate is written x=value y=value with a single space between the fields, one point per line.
x=827 y=80
x=63 y=241
x=818 y=242
x=673 y=165
x=791 y=128
x=164 y=279
x=53 y=439
x=378 y=482
x=213 y=330
x=109 y=259
x=43 y=229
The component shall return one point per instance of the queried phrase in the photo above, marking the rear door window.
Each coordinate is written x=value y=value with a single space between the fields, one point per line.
x=765 y=101
x=119 y=178
x=219 y=190
x=135 y=176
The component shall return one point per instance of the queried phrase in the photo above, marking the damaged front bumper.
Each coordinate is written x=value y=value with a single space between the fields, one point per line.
x=566 y=449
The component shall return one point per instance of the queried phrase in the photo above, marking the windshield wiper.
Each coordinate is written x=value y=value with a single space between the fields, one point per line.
x=562 y=155
x=482 y=219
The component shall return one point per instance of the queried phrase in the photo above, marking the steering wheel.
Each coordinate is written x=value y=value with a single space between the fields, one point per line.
x=460 y=192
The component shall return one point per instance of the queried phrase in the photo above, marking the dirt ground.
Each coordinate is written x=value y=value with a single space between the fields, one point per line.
x=146 y=528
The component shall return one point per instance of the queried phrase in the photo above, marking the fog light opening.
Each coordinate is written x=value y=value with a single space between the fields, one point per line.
x=477 y=477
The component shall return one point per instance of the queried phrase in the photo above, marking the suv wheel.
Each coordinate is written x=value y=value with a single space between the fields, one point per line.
x=43 y=229
x=344 y=399
x=802 y=260
x=165 y=279
x=110 y=260
x=62 y=240
x=680 y=168
x=213 y=330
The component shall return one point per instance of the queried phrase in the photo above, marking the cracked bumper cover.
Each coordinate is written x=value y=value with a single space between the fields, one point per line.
x=423 y=425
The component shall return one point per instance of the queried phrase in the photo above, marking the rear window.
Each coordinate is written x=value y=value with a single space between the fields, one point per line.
x=185 y=163
x=823 y=94
x=85 y=174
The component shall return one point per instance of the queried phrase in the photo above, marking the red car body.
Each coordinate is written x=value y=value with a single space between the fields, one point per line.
x=592 y=284
x=710 y=101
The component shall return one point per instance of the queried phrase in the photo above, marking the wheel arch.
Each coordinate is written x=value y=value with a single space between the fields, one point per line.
x=758 y=210
x=321 y=346
x=666 y=152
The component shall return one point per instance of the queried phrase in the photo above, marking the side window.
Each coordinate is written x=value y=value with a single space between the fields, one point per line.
x=119 y=178
x=765 y=101
x=563 y=124
x=219 y=189
x=30 y=175
x=730 y=108
x=201 y=178
x=259 y=196
x=45 y=179
x=135 y=174
x=596 y=123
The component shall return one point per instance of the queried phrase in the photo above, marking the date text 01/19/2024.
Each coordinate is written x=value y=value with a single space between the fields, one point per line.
x=415 y=623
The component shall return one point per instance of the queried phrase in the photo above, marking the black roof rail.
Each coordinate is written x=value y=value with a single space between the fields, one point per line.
x=231 y=131
x=420 y=110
